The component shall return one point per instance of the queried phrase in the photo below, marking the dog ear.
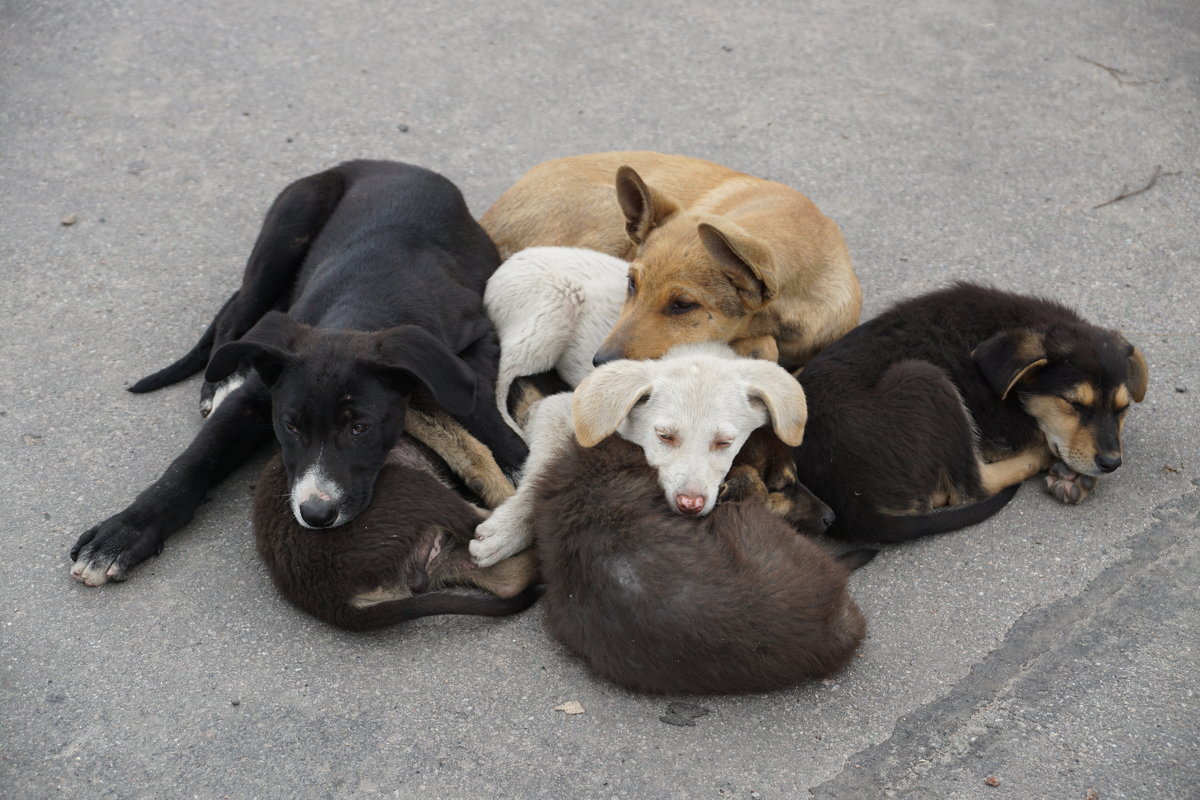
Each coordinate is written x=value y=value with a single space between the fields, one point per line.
x=268 y=347
x=746 y=261
x=414 y=351
x=782 y=395
x=1010 y=356
x=644 y=208
x=1139 y=374
x=604 y=399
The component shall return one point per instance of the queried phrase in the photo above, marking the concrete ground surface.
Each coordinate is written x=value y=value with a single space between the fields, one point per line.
x=1052 y=649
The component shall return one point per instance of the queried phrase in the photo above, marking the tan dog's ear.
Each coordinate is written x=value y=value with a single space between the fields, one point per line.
x=747 y=261
x=1008 y=357
x=644 y=208
x=1139 y=374
x=604 y=398
x=782 y=395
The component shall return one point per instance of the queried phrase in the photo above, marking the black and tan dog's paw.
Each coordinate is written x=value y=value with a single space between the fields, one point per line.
x=1068 y=486
x=742 y=483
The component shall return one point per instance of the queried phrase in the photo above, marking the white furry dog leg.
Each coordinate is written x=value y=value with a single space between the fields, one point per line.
x=508 y=530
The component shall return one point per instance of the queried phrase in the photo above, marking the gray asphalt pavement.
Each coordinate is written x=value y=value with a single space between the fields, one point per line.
x=1051 y=649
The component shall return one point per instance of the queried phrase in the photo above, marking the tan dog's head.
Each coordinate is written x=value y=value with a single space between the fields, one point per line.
x=695 y=278
x=690 y=412
x=1077 y=381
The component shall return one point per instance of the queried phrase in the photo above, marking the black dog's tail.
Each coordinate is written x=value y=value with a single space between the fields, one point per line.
x=391 y=612
x=900 y=528
x=854 y=559
x=190 y=364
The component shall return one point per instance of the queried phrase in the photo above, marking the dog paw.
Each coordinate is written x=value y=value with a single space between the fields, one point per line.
x=109 y=550
x=495 y=541
x=742 y=483
x=1068 y=486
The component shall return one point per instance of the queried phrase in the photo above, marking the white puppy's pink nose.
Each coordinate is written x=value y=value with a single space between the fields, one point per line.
x=690 y=503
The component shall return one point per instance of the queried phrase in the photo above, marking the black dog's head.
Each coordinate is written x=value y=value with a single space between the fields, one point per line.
x=1076 y=380
x=338 y=402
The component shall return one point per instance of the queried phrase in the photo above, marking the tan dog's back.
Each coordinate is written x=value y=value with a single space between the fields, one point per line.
x=572 y=202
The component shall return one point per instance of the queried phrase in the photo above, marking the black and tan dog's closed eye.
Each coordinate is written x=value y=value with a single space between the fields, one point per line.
x=955 y=397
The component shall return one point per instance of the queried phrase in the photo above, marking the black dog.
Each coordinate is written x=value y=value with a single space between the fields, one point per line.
x=380 y=269
x=953 y=399
x=655 y=601
x=387 y=565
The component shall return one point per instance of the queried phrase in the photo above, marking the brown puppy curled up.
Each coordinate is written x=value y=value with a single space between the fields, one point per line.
x=655 y=601
x=393 y=562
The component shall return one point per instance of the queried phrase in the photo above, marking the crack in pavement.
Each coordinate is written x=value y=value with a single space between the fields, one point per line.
x=1004 y=693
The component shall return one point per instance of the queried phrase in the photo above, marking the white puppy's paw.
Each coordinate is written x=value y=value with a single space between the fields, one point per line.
x=495 y=541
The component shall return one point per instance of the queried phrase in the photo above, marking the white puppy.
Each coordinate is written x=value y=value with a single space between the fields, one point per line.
x=690 y=411
x=552 y=308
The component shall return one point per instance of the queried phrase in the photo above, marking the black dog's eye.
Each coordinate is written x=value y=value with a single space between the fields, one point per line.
x=682 y=307
x=359 y=428
x=290 y=426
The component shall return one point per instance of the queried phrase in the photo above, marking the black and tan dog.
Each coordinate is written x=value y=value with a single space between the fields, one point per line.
x=365 y=284
x=391 y=563
x=953 y=399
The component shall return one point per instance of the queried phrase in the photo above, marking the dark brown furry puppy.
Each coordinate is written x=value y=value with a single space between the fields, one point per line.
x=385 y=565
x=948 y=398
x=734 y=601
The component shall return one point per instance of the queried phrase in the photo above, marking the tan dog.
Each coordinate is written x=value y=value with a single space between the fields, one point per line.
x=716 y=255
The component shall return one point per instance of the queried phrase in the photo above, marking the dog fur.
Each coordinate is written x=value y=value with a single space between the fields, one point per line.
x=366 y=282
x=387 y=565
x=730 y=602
x=716 y=255
x=552 y=308
x=690 y=412
x=948 y=398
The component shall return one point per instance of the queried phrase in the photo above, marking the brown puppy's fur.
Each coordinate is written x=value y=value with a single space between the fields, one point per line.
x=948 y=398
x=717 y=255
x=385 y=566
x=734 y=601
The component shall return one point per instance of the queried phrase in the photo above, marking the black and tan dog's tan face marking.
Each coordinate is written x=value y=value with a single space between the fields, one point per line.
x=1077 y=382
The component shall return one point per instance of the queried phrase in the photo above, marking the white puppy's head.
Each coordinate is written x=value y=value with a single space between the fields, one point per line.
x=690 y=411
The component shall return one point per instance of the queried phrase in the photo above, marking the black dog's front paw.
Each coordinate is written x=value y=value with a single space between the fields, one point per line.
x=1068 y=486
x=109 y=550
x=742 y=483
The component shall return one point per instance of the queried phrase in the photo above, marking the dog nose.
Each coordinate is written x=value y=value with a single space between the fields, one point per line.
x=828 y=518
x=1107 y=462
x=601 y=358
x=318 y=513
x=690 y=503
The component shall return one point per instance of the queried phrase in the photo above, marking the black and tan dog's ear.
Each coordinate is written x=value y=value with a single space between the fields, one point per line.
x=1139 y=374
x=267 y=347
x=1010 y=356
x=604 y=399
x=644 y=208
x=413 y=351
x=747 y=261
x=780 y=393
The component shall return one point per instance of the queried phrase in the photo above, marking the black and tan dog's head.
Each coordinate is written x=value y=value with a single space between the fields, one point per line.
x=1076 y=380
x=338 y=403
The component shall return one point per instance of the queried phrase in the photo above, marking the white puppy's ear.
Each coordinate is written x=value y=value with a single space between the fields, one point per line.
x=604 y=399
x=781 y=393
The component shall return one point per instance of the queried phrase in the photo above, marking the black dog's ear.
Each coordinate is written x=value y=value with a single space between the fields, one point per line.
x=644 y=207
x=414 y=351
x=268 y=346
x=1139 y=373
x=1008 y=357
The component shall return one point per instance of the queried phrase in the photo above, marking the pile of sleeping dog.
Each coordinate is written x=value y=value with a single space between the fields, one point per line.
x=725 y=407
